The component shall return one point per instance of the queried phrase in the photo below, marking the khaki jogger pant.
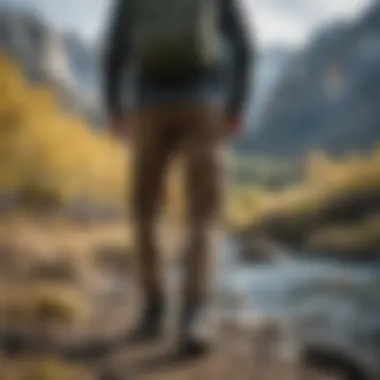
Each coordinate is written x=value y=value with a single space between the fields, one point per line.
x=197 y=134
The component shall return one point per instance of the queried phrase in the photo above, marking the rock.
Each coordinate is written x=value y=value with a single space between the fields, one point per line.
x=326 y=97
x=48 y=57
x=257 y=250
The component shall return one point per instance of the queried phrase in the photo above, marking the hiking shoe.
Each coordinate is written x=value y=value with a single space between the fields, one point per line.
x=149 y=327
x=197 y=332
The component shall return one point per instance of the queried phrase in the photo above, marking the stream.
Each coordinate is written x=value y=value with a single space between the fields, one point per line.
x=282 y=288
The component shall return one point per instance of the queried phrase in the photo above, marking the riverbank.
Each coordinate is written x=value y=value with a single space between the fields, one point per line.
x=335 y=210
x=62 y=292
x=63 y=285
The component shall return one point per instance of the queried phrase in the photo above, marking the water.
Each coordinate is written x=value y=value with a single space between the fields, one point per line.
x=295 y=285
x=320 y=302
x=292 y=287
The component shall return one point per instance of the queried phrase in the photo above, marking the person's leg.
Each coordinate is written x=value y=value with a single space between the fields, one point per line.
x=153 y=145
x=153 y=148
x=205 y=158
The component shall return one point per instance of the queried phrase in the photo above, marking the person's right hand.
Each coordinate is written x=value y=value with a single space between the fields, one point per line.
x=120 y=127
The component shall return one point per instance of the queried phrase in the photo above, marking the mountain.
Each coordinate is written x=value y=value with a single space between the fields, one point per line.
x=268 y=67
x=83 y=62
x=61 y=61
x=71 y=66
x=328 y=95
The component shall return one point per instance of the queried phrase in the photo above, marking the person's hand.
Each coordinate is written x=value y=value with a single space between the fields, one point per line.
x=234 y=125
x=121 y=126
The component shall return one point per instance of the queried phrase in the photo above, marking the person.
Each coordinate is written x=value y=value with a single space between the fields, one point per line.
x=166 y=113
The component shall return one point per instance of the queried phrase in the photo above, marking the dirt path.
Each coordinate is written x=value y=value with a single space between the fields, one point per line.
x=233 y=357
x=238 y=354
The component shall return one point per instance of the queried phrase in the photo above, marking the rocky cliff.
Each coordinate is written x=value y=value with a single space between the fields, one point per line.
x=61 y=61
x=327 y=97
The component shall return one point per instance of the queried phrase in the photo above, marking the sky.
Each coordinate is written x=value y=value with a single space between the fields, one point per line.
x=284 y=22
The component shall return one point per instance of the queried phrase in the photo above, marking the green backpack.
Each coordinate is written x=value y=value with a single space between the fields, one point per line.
x=175 y=37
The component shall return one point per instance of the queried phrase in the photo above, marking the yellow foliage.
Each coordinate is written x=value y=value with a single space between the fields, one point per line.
x=48 y=155
x=12 y=89
x=325 y=181
x=42 y=303
x=358 y=237
x=45 y=153
x=44 y=369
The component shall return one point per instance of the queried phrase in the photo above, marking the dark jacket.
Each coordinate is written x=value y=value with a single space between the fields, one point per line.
x=228 y=84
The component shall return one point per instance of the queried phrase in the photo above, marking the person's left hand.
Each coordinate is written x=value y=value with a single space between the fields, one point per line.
x=234 y=125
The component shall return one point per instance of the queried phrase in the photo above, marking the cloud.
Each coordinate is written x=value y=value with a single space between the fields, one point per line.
x=274 y=21
x=292 y=22
x=85 y=16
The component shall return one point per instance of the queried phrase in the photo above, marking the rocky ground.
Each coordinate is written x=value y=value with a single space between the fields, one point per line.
x=241 y=352
x=50 y=304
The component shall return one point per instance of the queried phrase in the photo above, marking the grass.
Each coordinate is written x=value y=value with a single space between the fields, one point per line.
x=42 y=303
x=56 y=250
x=47 y=369
x=41 y=268
x=352 y=239
x=265 y=171
x=47 y=268
x=329 y=204
x=113 y=258
x=335 y=209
